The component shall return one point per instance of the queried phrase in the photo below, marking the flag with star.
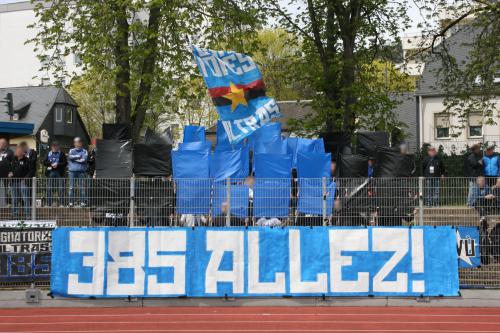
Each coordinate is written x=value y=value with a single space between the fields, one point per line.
x=236 y=87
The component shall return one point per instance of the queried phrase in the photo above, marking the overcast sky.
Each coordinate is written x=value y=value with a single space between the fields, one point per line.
x=412 y=12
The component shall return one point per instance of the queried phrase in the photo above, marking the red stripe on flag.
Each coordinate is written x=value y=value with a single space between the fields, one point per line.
x=221 y=91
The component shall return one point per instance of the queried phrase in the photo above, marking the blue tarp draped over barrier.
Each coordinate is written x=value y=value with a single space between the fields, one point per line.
x=313 y=165
x=213 y=262
x=238 y=199
x=301 y=145
x=269 y=133
x=273 y=166
x=192 y=184
x=203 y=146
x=312 y=195
x=229 y=164
x=193 y=133
x=273 y=147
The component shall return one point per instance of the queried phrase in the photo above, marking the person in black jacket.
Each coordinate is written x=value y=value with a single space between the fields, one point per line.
x=19 y=172
x=473 y=168
x=6 y=156
x=433 y=170
x=56 y=163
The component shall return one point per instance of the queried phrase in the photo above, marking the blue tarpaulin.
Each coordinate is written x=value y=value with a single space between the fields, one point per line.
x=301 y=145
x=194 y=133
x=191 y=173
x=238 y=202
x=313 y=165
x=268 y=133
x=273 y=147
x=229 y=164
x=203 y=146
x=273 y=166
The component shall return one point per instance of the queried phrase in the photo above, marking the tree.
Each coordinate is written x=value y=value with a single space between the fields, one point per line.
x=469 y=86
x=93 y=92
x=141 y=44
x=339 y=38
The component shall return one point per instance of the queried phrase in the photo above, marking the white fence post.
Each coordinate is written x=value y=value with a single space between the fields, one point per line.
x=325 y=196
x=132 y=201
x=421 y=201
x=228 y=200
x=33 y=198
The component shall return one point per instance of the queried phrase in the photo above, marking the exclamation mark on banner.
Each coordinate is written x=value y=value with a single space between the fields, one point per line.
x=417 y=258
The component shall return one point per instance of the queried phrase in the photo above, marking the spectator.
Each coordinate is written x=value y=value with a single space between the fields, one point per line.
x=56 y=164
x=473 y=168
x=32 y=157
x=19 y=172
x=6 y=157
x=92 y=155
x=482 y=196
x=221 y=219
x=433 y=170
x=496 y=192
x=77 y=166
x=371 y=165
x=491 y=165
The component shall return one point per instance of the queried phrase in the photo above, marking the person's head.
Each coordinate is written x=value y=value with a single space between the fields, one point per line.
x=403 y=148
x=55 y=146
x=77 y=142
x=249 y=181
x=476 y=149
x=480 y=181
x=497 y=185
x=3 y=143
x=333 y=166
x=24 y=146
x=432 y=151
x=490 y=149
x=19 y=151
x=371 y=161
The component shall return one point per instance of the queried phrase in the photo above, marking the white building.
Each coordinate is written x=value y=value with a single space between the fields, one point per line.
x=435 y=124
x=19 y=64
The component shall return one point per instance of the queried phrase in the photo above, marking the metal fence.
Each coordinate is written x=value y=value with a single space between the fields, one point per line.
x=266 y=202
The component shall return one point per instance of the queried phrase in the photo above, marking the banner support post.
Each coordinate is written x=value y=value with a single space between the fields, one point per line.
x=323 y=185
x=228 y=200
x=421 y=201
x=132 y=201
x=33 y=198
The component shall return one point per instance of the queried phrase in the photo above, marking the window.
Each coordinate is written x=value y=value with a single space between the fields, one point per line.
x=69 y=115
x=475 y=125
x=77 y=60
x=442 y=125
x=59 y=114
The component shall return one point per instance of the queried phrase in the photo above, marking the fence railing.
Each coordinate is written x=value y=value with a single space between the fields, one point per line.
x=266 y=202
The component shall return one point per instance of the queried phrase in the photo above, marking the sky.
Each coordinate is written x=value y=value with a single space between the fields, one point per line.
x=412 y=12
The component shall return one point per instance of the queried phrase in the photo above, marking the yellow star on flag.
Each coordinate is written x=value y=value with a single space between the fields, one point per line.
x=237 y=96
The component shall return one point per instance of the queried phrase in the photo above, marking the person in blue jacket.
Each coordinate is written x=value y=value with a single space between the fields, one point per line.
x=491 y=165
x=77 y=167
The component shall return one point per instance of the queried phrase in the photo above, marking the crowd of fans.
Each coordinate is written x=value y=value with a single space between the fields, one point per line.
x=18 y=167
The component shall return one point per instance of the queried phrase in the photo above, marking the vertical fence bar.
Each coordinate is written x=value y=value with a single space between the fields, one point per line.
x=421 y=201
x=132 y=201
x=228 y=200
x=33 y=198
x=323 y=186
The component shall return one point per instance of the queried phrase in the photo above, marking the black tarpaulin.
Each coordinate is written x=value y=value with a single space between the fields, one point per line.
x=155 y=200
x=352 y=166
x=369 y=142
x=110 y=201
x=113 y=159
x=116 y=132
x=152 y=159
x=391 y=163
x=336 y=143
x=151 y=137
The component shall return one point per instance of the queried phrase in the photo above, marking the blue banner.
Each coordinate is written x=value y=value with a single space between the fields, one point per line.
x=193 y=133
x=468 y=248
x=213 y=262
x=235 y=84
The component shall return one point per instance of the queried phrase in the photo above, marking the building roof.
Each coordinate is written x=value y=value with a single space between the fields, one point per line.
x=459 y=45
x=41 y=100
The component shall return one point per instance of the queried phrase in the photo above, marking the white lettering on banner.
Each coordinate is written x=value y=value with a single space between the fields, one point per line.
x=296 y=283
x=260 y=118
x=220 y=242
x=347 y=240
x=390 y=240
x=229 y=130
x=126 y=248
x=247 y=64
x=229 y=61
x=88 y=242
x=167 y=241
x=254 y=284
x=220 y=62
x=417 y=258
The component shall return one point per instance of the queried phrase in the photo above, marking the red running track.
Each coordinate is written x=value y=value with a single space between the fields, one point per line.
x=251 y=319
